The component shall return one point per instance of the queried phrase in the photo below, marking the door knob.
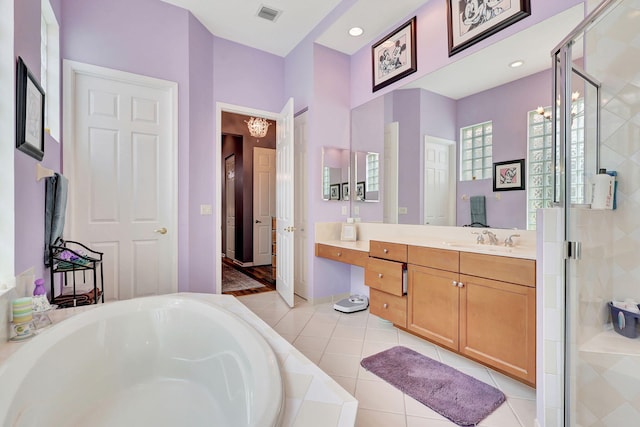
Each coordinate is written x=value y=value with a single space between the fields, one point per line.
x=162 y=230
x=454 y=283
x=460 y=285
x=258 y=221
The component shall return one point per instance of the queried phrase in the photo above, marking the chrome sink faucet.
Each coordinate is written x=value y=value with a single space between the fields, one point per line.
x=509 y=241
x=493 y=239
x=479 y=239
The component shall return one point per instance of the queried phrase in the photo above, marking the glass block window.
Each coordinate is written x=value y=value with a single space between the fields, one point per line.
x=476 y=152
x=373 y=172
x=541 y=158
x=541 y=161
x=325 y=182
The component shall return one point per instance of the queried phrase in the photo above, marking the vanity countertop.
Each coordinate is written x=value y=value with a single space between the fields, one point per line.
x=450 y=238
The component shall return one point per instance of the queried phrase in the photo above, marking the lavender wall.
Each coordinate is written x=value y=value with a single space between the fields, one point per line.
x=432 y=44
x=29 y=194
x=201 y=154
x=157 y=39
x=247 y=77
x=330 y=124
x=507 y=106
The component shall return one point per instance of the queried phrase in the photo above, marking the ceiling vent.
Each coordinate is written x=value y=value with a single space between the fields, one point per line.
x=269 y=13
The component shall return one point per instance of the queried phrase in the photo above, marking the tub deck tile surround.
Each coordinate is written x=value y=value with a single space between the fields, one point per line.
x=312 y=397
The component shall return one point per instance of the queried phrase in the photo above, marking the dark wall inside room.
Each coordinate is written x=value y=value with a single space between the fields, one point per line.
x=237 y=140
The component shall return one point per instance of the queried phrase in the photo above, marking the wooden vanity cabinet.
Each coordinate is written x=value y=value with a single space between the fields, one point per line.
x=498 y=313
x=385 y=274
x=482 y=306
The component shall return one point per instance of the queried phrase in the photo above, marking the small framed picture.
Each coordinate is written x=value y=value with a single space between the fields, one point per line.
x=360 y=190
x=508 y=175
x=394 y=57
x=345 y=191
x=348 y=232
x=334 y=192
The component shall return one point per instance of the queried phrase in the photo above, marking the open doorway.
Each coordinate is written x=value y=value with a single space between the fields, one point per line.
x=248 y=205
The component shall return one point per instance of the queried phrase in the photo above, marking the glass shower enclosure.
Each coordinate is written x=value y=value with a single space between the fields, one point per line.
x=597 y=125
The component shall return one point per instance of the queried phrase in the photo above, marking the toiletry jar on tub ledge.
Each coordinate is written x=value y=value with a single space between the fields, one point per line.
x=624 y=322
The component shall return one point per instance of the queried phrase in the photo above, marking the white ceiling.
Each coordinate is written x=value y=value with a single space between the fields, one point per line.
x=237 y=20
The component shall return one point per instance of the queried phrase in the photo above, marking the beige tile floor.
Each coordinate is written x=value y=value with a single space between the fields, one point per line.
x=337 y=342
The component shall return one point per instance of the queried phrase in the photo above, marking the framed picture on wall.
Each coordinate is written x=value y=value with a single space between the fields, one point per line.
x=334 y=192
x=360 y=190
x=345 y=191
x=508 y=175
x=394 y=57
x=29 y=113
x=470 y=21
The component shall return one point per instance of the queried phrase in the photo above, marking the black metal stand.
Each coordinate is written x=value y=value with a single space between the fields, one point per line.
x=67 y=256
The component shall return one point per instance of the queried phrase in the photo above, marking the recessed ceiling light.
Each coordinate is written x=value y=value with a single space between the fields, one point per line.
x=356 y=31
x=516 y=64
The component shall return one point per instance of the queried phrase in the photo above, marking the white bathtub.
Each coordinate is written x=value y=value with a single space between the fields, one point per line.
x=157 y=361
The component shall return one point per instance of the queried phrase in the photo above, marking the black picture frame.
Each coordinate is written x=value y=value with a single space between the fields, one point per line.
x=509 y=175
x=334 y=192
x=29 y=113
x=394 y=57
x=360 y=193
x=345 y=191
x=470 y=21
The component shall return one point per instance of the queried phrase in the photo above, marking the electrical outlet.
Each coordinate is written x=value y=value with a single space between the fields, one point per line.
x=356 y=210
x=402 y=211
x=206 y=210
x=344 y=210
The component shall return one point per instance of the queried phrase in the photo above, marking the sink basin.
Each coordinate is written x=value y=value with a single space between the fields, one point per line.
x=476 y=247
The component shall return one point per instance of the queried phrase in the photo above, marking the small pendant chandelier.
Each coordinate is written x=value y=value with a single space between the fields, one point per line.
x=258 y=127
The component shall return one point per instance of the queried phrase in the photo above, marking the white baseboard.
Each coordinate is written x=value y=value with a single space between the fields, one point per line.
x=331 y=298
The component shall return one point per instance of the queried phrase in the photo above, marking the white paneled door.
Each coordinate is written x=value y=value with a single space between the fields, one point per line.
x=285 y=204
x=264 y=203
x=120 y=158
x=437 y=181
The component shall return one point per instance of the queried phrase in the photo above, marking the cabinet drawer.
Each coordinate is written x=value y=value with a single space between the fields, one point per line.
x=505 y=269
x=441 y=259
x=390 y=307
x=386 y=250
x=349 y=256
x=386 y=276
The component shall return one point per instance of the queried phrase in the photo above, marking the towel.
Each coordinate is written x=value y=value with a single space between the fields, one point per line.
x=478 y=210
x=56 y=188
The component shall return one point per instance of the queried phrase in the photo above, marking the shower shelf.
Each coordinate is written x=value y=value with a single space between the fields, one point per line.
x=610 y=342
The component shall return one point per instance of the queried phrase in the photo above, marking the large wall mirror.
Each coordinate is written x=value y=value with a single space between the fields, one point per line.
x=417 y=132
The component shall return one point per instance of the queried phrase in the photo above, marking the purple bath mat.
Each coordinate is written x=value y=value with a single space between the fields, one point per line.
x=454 y=395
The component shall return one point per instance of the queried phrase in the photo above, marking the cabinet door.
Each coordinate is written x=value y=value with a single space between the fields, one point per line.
x=497 y=325
x=433 y=305
x=389 y=307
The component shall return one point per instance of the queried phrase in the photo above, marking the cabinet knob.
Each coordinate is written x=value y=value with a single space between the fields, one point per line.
x=380 y=275
x=454 y=283
x=460 y=285
x=339 y=253
x=385 y=305
x=386 y=251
